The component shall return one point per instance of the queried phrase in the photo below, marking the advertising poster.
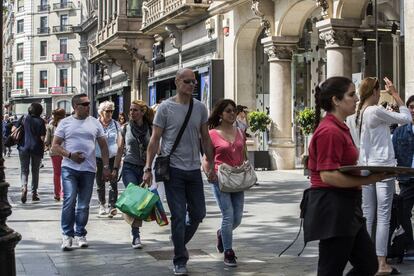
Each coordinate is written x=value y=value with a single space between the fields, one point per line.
x=205 y=90
x=152 y=95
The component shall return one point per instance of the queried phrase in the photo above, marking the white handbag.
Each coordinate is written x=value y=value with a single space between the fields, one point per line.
x=236 y=179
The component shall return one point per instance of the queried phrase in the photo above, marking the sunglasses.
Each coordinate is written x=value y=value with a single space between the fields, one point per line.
x=84 y=104
x=109 y=111
x=230 y=110
x=194 y=82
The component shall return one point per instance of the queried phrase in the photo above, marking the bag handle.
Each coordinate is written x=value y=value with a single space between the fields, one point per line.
x=180 y=133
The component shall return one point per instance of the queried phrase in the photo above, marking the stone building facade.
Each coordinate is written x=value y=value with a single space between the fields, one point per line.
x=269 y=55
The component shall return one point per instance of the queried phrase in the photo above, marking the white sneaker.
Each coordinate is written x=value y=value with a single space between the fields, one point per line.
x=66 y=243
x=82 y=242
x=136 y=243
x=102 y=210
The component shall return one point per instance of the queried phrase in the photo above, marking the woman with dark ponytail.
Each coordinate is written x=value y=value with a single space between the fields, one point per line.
x=331 y=207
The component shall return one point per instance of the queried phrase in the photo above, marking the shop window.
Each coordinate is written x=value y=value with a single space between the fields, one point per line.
x=65 y=105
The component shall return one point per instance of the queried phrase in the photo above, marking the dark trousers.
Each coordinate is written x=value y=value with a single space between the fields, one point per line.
x=334 y=254
x=407 y=196
x=185 y=197
x=100 y=184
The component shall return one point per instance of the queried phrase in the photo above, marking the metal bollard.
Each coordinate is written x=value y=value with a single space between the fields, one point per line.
x=8 y=237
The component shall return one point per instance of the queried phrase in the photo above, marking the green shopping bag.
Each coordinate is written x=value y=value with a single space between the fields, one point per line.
x=137 y=201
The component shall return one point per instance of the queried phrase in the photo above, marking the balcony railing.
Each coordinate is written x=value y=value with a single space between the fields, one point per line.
x=62 y=57
x=62 y=29
x=63 y=6
x=41 y=8
x=18 y=92
x=44 y=30
x=181 y=10
x=62 y=90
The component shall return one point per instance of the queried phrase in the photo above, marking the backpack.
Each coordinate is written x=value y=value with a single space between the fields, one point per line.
x=17 y=135
x=397 y=238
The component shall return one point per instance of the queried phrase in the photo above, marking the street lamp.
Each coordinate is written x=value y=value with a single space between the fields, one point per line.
x=8 y=237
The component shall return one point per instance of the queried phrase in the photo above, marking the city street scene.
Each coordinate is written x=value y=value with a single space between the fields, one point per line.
x=204 y=137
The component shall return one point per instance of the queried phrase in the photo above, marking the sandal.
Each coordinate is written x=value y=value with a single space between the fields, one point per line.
x=393 y=271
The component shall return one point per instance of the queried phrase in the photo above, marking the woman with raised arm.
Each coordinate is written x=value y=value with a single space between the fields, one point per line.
x=331 y=207
x=372 y=128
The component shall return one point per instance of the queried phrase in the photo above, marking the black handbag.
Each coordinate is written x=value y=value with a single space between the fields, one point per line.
x=162 y=163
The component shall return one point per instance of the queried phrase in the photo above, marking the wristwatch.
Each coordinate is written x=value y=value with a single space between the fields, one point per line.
x=106 y=167
x=147 y=169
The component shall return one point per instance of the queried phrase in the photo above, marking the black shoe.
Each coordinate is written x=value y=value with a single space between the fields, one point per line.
x=35 y=197
x=219 y=244
x=230 y=258
x=24 y=195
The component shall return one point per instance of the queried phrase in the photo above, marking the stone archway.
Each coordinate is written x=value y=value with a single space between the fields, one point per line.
x=245 y=60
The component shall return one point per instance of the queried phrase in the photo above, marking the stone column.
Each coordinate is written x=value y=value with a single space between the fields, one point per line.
x=338 y=34
x=396 y=60
x=281 y=147
x=409 y=47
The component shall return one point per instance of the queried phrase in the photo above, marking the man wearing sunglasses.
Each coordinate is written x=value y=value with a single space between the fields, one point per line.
x=184 y=190
x=75 y=139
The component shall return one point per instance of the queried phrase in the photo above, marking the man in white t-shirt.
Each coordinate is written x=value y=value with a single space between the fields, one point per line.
x=74 y=139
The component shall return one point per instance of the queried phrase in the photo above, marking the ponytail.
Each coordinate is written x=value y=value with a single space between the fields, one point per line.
x=317 y=107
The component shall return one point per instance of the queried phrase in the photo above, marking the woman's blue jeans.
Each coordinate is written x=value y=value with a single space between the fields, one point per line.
x=231 y=207
x=132 y=174
x=77 y=192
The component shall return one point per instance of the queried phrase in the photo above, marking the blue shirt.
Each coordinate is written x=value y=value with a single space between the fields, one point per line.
x=34 y=128
x=403 y=142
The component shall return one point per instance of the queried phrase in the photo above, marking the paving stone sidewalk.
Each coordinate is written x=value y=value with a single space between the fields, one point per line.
x=270 y=223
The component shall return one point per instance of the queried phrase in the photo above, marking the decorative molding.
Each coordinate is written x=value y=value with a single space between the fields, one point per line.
x=263 y=21
x=337 y=37
x=323 y=4
x=279 y=51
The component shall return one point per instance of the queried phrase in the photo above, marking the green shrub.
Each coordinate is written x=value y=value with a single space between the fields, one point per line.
x=259 y=121
x=306 y=120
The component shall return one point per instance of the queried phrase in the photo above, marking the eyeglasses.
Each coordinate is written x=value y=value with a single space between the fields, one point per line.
x=230 y=110
x=84 y=104
x=193 y=82
x=109 y=111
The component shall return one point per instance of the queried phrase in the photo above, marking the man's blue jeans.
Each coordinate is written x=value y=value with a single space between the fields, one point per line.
x=185 y=197
x=77 y=192
x=231 y=207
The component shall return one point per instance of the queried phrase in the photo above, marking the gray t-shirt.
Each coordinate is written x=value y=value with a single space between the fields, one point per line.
x=136 y=144
x=170 y=117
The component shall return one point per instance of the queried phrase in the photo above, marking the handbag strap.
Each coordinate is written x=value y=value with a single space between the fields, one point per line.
x=180 y=133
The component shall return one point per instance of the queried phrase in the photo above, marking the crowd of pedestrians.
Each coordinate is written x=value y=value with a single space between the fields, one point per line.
x=356 y=207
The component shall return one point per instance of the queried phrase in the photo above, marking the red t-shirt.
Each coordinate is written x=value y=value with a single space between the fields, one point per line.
x=225 y=152
x=331 y=147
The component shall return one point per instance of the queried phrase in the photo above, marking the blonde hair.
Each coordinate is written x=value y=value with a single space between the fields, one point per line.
x=148 y=112
x=104 y=106
x=366 y=90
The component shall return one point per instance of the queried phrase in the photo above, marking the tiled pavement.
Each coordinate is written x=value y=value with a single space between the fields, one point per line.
x=270 y=222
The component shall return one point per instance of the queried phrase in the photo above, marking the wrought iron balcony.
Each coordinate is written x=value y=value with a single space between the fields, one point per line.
x=63 y=6
x=62 y=90
x=22 y=92
x=158 y=13
x=62 y=57
x=62 y=29
x=42 y=8
x=44 y=30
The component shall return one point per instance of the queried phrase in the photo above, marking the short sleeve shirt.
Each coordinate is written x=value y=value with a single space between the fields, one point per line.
x=34 y=129
x=170 y=116
x=80 y=136
x=331 y=147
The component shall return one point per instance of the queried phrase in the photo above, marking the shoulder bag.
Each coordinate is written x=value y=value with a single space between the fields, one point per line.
x=17 y=135
x=162 y=163
x=236 y=179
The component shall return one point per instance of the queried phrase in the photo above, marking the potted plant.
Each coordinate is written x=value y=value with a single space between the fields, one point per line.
x=306 y=121
x=259 y=123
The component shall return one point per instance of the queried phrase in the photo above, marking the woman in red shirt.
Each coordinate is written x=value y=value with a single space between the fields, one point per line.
x=229 y=147
x=331 y=208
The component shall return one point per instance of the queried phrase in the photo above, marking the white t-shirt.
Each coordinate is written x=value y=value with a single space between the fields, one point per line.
x=80 y=135
x=376 y=147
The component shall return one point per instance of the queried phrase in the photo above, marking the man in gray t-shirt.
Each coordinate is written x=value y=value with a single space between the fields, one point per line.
x=184 y=190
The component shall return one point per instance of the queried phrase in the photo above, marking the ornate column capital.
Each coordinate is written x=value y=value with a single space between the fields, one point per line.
x=338 y=32
x=264 y=22
x=279 y=48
